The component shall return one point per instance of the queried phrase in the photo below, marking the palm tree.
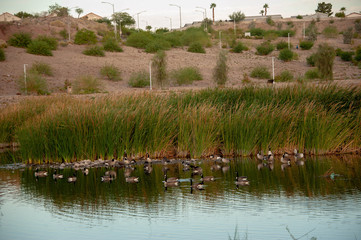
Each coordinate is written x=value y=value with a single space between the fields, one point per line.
x=79 y=11
x=265 y=6
x=261 y=12
x=213 y=5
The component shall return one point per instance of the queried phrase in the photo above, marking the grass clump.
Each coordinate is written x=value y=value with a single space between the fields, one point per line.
x=2 y=55
x=330 y=32
x=261 y=72
x=196 y=47
x=311 y=60
x=239 y=47
x=312 y=74
x=51 y=41
x=306 y=45
x=285 y=76
x=324 y=59
x=35 y=84
x=186 y=75
x=220 y=72
x=85 y=36
x=111 y=72
x=139 y=79
x=286 y=55
x=111 y=45
x=94 y=51
x=265 y=48
x=20 y=40
x=86 y=84
x=42 y=68
x=39 y=48
x=159 y=69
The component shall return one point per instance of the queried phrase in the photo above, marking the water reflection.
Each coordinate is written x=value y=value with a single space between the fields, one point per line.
x=272 y=190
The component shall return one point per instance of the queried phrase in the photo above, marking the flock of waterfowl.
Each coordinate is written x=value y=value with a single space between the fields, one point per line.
x=188 y=165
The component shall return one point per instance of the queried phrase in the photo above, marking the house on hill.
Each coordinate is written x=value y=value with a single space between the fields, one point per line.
x=91 y=16
x=353 y=15
x=8 y=17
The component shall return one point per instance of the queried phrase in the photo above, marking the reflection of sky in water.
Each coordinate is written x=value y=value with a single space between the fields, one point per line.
x=178 y=214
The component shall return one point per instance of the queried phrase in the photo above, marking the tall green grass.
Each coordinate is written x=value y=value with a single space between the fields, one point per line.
x=238 y=121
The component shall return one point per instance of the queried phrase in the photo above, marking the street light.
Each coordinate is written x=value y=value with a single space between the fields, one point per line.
x=138 y=18
x=180 y=14
x=205 y=17
x=170 y=19
x=69 y=22
x=115 y=23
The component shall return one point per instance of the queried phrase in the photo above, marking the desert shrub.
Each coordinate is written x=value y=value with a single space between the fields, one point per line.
x=157 y=45
x=311 y=31
x=159 y=69
x=246 y=79
x=85 y=36
x=257 y=32
x=265 y=48
x=281 y=45
x=196 y=47
x=2 y=55
x=39 y=48
x=346 y=56
x=35 y=83
x=20 y=40
x=330 y=32
x=239 y=47
x=358 y=54
x=220 y=72
x=312 y=74
x=139 y=79
x=299 y=17
x=111 y=72
x=260 y=72
x=324 y=59
x=94 y=51
x=285 y=76
x=173 y=40
x=192 y=35
x=111 y=45
x=347 y=36
x=311 y=60
x=306 y=45
x=64 y=34
x=139 y=39
x=285 y=55
x=42 y=68
x=270 y=36
x=290 y=24
x=51 y=41
x=332 y=21
x=338 y=52
x=186 y=75
x=57 y=23
x=86 y=84
x=269 y=21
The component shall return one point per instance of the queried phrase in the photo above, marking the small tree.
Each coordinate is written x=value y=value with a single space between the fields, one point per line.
x=123 y=19
x=237 y=16
x=262 y=12
x=159 y=68
x=79 y=11
x=347 y=36
x=23 y=15
x=324 y=59
x=220 y=72
x=148 y=28
x=324 y=8
x=213 y=5
x=59 y=10
x=265 y=6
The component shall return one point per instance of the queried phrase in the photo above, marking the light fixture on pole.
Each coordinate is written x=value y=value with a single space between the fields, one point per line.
x=205 y=17
x=180 y=14
x=170 y=20
x=138 y=18
x=115 y=23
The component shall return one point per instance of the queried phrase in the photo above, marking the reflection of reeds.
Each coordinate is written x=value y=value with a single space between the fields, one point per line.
x=240 y=121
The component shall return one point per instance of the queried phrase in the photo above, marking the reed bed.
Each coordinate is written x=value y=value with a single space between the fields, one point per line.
x=319 y=120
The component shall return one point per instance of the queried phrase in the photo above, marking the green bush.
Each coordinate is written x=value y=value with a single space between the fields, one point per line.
x=346 y=56
x=281 y=45
x=39 y=48
x=186 y=75
x=239 y=47
x=324 y=59
x=111 y=45
x=260 y=72
x=192 y=35
x=358 y=54
x=20 y=40
x=257 y=32
x=311 y=60
x=94 y=51
x=35 y=83
x=312 y=74
x=139 y=39
x=220 y=72
x=196 y=47
x=330 y=32
x=285 y=55
x=269 y=21
x=159 y=69
x=111 y=72
x=338 y=52
x=306 y=45
x=42 y=68
x=86 y=84
x=85 y=36
x=64 y=34
x=270 y=36
x=2 y=55
x=285 y=76
x=284 y=33
x=156 y=45
x=139 y=79
x=52 y=42
x=265 y=48
x=299 y=17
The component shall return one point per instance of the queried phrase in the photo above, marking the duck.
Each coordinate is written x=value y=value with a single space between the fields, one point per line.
x=207 y=178
x=85 y=171
x=111 y=173
x=106 y=178
x=197 y=186
x=72 y=179
x=57 y=176
x=40 y=173
x=242 y=181
x=285 y=159
x=132 y=179
x=297 y=154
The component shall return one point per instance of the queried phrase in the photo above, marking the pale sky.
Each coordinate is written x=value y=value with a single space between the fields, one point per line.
x=158 y=12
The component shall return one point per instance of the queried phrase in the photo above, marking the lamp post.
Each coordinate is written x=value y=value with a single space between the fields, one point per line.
x=138 y=18
x=170 y=20
x=205 y=17
x=115 y=23
x=69 y=23
x=180 y=14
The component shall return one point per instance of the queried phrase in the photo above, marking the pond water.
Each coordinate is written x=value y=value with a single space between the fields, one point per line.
x=285 y=203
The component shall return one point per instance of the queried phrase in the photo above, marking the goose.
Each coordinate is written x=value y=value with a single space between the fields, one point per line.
x=132 y=179
x=111 y=173
x=216 y=167
x=40 y=173
x=126 y=161
x=85 y=171
x=106 y=178
x=196 y=170
x=165 y=161
x=148 y=160
x=207 y=178
x=72 y=179
x=128 y=172
x=225 y=160
x=198 y=186
x=260 y=155
x=285 y=160
x=148 y=168
x=57 y=176
x=186 y=166
x=241 y=181
x=297 y=154
x=171 y=179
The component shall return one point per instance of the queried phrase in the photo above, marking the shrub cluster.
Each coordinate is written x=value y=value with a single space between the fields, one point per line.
x=35 y=83
x=347 y=56
x=261 y=72
x=20 y=40
x=186 y=75
x=94 y=51
x=281 y=45
x=306 y=45
x=85 y=36
x=196 y=47
x=239 y=47
x=330 y=32
x=42 y=68
x=111 y=72
x=139 y=79
x=286 y=55
x=51 y=41
x=312 y=74
x=111 y=45
x=2 y=55
x=285 y=76
x=86 y=84
x=259 y=32
x=265 y=48
x=311 y=60
x=39 y=48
